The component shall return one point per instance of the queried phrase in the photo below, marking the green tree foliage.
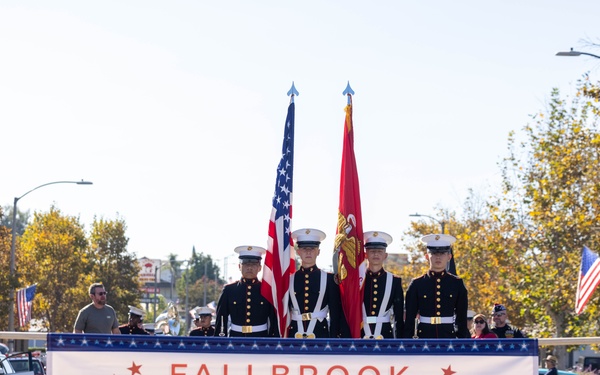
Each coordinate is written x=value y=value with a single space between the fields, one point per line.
x=552 y=202
x=113 y=266
x=485 y=259
x=22 y=219
x=522 y=245
x=202 y=273
x=54 y=253
x=5 y=280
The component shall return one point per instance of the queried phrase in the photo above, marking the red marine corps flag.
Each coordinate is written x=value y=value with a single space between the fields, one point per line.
x=279 y=261
x=349 y=259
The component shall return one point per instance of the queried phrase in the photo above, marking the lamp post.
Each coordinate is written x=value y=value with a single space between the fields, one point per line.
x=186 y=278
x=442 y=223
x=205 y=279
x=226 y=264
x=11 y=312
x=576 y=53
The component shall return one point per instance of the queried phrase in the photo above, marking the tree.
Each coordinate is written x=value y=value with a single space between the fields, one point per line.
x=202 y=273
x=112 y=265
x=550 y=207
x=22 y=219
x=5 y=280
x=54 y=253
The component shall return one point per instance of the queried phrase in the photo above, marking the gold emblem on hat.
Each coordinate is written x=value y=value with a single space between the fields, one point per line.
x=249 y=248
x=437 y=237
x=375 y=234
x=307 y=231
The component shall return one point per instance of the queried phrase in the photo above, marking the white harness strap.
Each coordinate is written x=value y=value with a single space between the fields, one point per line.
x=383 y=316
x=318 y=314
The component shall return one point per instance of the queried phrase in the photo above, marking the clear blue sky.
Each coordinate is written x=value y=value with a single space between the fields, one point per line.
x=175 y=109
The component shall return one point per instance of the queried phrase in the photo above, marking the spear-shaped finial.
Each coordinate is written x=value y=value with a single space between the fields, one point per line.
x=293 y=92
x=348 y=91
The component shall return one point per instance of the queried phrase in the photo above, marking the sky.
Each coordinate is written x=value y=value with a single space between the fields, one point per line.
x=175 y=109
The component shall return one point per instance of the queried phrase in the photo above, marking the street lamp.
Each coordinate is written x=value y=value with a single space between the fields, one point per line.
x=442 y=223
x=576 y=53
x=186 y=278
x=11 y=313
x=205 y=280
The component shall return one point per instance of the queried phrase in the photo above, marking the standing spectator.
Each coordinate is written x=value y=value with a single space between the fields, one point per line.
x=383 y=301
x=202 y=320
x=438 y=297
x=313 y=292
x=242 y=303
x=135 y=325
x=501 y=328
x=551 y=365
x=481 y=330
x=97 y=317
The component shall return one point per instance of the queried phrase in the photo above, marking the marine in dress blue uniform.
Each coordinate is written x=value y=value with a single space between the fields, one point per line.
x=438 y=298
x=136 y=316
x=383 y=301
x=202 y=320
x=241 y=306
x=314 y=295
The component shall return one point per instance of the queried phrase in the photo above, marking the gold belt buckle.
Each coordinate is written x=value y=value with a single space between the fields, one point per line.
x=299 y=335
x=306 y=316
x=436 y=320
x=246 y=329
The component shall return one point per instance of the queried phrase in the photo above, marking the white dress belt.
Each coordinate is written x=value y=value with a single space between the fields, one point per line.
x=320 y=315
x=377 y=319
x=249 y=329
x=436 y=319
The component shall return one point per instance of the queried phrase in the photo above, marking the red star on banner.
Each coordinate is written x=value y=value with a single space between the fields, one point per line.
x=447 y=371
x=134 y=369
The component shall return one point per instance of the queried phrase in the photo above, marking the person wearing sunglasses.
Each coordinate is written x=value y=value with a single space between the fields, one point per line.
x=97 y=317
x=481 y=330
x=501 y=327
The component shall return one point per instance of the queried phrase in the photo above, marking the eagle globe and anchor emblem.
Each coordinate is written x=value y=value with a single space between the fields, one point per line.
x=348 y=244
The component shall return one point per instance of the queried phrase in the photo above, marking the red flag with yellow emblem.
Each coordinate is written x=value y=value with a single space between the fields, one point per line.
x=351 y=262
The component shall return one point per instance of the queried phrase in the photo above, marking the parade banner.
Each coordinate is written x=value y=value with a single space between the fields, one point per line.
x=70 y=354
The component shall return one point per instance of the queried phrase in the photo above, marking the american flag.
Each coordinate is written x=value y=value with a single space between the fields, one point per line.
x=279 y=265
x=24 y=302
x=589 y=278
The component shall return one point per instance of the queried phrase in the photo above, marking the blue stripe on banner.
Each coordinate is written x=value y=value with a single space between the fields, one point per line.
x=180 y=344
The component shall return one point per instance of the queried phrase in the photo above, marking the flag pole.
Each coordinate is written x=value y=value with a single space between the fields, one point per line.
x=349 y=258
x=336 y=252
x=292 y=92
x=279 y=259
x=348 y=91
